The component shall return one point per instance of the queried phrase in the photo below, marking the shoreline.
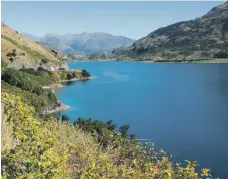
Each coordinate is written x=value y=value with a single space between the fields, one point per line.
x=59 y=85
x=62 y=107
x=95 y=60
x=215 y=60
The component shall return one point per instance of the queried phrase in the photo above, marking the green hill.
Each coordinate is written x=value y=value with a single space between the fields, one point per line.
x=203 y=38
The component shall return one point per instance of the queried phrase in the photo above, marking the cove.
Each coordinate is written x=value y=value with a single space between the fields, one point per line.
x=182 y=108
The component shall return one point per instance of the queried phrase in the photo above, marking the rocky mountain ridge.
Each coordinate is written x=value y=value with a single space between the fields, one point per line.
x=84 y=42
x=203 y=38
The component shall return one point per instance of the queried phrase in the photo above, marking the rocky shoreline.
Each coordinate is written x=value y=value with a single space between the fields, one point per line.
x=60 y=108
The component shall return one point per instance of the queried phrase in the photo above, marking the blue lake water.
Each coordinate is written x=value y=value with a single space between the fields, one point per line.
x=182 y=108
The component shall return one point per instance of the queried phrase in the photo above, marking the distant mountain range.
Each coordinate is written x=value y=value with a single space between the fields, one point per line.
x=203 y=38
x=82 y=43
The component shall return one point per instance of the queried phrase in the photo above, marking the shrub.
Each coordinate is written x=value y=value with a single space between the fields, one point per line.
x=39 y=102
x=41 y=69
x=85 y=73
x=33 y=138
x=124 y=130
x=14 y=53
x=11 y=59
x=54 y=52
x=19 y=79
x=70 y=76
x=9 y=54
x=44 y=61
x=28 y=70
x=65 y=118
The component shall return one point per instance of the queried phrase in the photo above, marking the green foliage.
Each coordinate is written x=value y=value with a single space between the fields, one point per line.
x=30 y=71
x=85 y=73
x=27 y=83
x=9 y=54
x=33 y=154
x=39 y=102
x=11 y=59
x=13 y=54
x=70 y=76
x=124 y=130
x=56 y=53
x=21 y=80
x=65 y=118
x=44 y=61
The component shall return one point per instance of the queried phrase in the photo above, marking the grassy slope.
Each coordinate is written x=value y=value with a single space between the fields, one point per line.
x=25 y=49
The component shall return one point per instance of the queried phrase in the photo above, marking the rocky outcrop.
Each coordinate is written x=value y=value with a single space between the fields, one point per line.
x=58 y=107
x=18 y=64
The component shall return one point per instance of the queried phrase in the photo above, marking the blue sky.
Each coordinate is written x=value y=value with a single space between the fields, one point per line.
x=131 y=19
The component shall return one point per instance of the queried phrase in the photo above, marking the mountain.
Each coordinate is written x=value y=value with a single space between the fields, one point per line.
x=203 y=38
x=31 y=37
x=18 y=52
x=84 y=42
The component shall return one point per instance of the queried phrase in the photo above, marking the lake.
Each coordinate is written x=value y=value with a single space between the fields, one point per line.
x=182 y=108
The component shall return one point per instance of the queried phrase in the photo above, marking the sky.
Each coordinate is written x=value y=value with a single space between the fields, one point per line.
x=131 y=19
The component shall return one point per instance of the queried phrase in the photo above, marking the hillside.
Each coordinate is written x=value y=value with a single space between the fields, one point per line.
x=18 y=51
x=28 y=68
x=84 y=42
x=50 y=148
x=203 y=38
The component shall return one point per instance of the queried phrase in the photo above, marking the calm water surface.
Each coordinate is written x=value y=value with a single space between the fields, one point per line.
x=183 y=108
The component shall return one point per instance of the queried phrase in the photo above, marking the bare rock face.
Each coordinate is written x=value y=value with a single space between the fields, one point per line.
x=202 y=38
x=18 y=64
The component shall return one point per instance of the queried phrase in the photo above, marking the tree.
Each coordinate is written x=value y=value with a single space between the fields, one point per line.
x=85 y=73
x=132 y=136
x=14 y=53
x=110 y=125
x=124 y=130
x=40 y=69
x=65 y=118
x=44 y=61
x=69 y=76
x=11 y=59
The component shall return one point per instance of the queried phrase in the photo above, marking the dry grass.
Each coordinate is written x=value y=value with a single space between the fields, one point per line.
x=32 y=51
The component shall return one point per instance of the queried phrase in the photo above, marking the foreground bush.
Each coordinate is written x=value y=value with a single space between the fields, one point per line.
x=33 y=148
